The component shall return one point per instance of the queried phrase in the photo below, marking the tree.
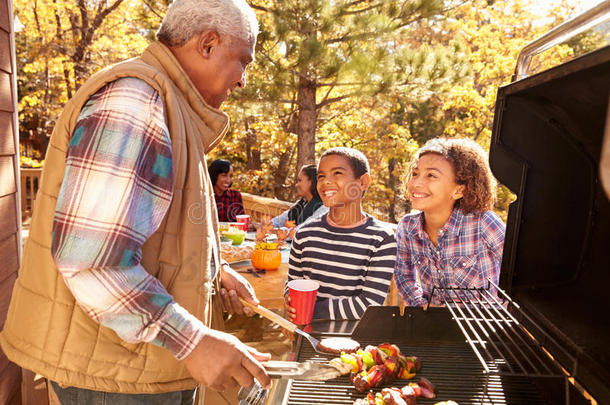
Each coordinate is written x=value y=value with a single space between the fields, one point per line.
x=63 y=43
x=493 y=35
x=315 y=53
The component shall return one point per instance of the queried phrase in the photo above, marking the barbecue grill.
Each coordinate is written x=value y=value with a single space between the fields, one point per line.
x=544 y=339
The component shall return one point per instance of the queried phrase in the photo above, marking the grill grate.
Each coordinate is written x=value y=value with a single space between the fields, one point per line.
x=452 y=368
x=497 y=333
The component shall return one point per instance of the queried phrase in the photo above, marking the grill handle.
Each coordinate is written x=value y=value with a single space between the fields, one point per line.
x=559 y=34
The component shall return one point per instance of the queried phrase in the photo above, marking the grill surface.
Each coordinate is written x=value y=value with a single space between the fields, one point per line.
x=452 y=368
x=495 y=330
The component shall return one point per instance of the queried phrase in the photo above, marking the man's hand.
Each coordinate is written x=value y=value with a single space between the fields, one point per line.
x=220 y=361
x=234 y=286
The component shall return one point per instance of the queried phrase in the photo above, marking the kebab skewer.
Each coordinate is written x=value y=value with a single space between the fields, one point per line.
x=406 y=395
x=378 y=365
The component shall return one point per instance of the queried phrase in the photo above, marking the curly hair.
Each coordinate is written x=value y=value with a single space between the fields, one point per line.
x=469 y=162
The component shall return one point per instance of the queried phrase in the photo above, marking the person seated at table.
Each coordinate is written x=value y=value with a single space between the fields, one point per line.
x=455 y=240
x=349 y=253
x=228 y=201
x=309 y=206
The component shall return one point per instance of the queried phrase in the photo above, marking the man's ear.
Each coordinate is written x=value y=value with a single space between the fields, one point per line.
x=458 y=192
x=207 y=43
x=365 y=181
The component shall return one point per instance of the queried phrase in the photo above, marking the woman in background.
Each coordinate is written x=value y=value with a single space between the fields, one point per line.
x=309 y=206
x=228 y=201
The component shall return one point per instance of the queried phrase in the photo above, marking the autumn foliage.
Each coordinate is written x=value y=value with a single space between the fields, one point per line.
x=382 y=77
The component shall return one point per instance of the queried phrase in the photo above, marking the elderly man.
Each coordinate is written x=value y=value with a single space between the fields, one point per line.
x=115 y=295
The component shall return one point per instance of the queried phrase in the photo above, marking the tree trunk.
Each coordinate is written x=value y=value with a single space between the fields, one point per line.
x=306 y=122
x=253 y=152
x=280 y=189
x=392 y=183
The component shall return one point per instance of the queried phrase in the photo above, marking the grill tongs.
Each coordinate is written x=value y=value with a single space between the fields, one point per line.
x=284 y=323
x=302 y=371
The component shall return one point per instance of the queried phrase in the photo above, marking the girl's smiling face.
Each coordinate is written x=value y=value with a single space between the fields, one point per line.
x=432 y=187
x=303 y=186
x=224 y=181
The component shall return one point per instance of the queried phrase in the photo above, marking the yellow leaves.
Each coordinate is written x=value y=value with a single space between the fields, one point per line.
x=29 y=101
x=25 y=161
x=47 y=52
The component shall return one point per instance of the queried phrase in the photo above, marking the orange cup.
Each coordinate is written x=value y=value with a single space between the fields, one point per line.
x=302 y=295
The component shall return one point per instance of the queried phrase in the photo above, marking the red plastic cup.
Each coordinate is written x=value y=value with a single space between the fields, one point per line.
x=302 y=295
x=245 y=219
x=239 y=225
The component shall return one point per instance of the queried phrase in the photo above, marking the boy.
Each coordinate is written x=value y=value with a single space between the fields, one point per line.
x=348 y=252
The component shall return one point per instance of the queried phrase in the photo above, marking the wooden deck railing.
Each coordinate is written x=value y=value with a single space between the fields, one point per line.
x=257 y=207
x=30 y=180
x=254 y=205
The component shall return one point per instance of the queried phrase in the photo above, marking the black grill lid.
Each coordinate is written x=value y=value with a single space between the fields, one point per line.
x=546 y=147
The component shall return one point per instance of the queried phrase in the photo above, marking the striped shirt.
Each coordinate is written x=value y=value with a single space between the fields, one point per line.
x=117 y=188
x=352 y=265
x=469 y=251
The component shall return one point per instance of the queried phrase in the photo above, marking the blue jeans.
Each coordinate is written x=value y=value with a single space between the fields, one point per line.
x=81 y=396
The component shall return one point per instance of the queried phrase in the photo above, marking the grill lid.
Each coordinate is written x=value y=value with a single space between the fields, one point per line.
x=546 y=147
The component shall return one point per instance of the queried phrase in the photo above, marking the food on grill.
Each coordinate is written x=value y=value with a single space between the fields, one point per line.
x=338 y=345
x=401 y=396
x=343 y=368
x=235 y=253
x=377 y=365
x=375 y=377
x=393 y=396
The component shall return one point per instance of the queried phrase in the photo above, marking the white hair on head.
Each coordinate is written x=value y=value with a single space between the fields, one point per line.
x=187 y=18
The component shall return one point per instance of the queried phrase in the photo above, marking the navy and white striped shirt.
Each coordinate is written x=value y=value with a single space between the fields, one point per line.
x=354 y=266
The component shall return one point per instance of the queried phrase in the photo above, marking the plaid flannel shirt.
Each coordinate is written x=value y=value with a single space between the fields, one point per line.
x=116 y=190
x=469 y=251
x=229 y=204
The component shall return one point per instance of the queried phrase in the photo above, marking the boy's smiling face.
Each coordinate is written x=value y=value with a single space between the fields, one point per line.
x=337 y=184
x=432 y=187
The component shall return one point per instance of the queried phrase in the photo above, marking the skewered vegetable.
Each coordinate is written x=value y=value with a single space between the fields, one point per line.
x=377 y=365
x=400 y=396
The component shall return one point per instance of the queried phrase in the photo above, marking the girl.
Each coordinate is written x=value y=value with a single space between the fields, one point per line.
x=454 y=240
x=309 y=206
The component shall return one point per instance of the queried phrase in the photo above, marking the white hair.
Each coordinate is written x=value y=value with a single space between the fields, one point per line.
x=187 y=18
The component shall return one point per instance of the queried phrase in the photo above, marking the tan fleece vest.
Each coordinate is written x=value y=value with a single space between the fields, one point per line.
x=45 y=330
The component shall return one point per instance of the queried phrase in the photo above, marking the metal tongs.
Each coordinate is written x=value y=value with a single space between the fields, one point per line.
x=284 y=323
x=303 y=371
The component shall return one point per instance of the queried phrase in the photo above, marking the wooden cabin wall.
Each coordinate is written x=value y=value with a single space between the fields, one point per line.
x=10 y=220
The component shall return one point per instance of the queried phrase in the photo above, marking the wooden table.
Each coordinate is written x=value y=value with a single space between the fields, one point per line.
x=269 y=287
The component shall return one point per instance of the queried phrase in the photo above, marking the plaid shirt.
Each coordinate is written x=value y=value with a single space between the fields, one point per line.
x=229 y=204
x=469 y=251
x=116 y=190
